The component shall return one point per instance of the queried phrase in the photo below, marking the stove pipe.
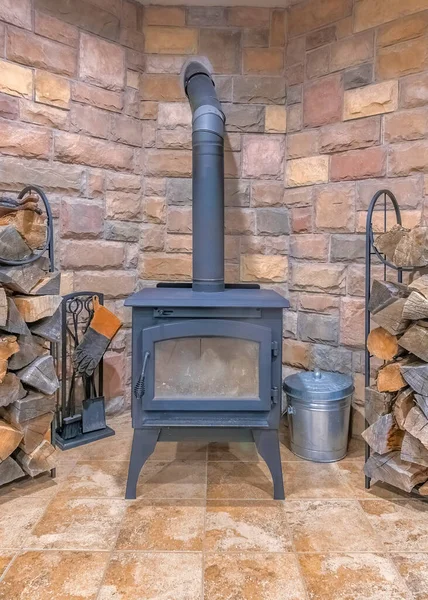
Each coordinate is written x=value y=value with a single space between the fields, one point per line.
x=207 y=178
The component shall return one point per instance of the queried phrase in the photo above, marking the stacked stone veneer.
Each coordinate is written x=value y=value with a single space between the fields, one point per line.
x=91 y=109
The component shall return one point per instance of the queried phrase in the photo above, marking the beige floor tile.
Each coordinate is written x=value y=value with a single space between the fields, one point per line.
x=285 y=448
x=252 y=576
x=116 y=447
x=356 y=449
x=313 y=480
x=5 y=558
x=414 y=570
x=179 y=479
x=78 y=524
x=157 y=576
x=17 y=518
x=97 y=479
x=121 y=424
x=257 y=526
x=42 y=486
x=330 y=525
x=351 y=472
x=169 y=451
x=174 y=525
x=233 y=451
x=54 y=576
x=401 y=524
x=239 y=481
x=352 y=577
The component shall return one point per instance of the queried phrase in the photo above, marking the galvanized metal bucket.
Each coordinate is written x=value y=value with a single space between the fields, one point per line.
x=319 y=408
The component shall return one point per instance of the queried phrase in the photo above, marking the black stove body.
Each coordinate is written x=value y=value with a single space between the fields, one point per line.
x=206 y=357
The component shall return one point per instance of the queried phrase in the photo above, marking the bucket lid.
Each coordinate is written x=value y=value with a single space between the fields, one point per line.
x=318 y=385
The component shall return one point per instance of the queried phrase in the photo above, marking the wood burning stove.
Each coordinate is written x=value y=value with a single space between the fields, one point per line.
x=206 y=356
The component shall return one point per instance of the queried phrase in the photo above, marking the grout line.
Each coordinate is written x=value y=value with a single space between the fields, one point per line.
x=14 y=557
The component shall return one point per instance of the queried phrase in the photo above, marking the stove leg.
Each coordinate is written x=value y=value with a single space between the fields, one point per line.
x=267 y=442
x=143 y=444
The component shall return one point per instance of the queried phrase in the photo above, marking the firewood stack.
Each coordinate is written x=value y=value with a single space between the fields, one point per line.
x=397 y=404
x=29 y=321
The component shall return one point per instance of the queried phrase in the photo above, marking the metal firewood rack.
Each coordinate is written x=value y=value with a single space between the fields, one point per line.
x=382 y=200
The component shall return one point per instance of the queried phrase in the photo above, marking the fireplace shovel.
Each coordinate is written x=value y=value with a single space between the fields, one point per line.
x=93 y=407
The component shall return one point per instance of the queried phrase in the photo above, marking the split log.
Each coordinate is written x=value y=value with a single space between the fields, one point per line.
x=49 y=285
x=34 y=432
x=11 y=390
x=412 y=450
x=423 y=490
x=15 y=323
x=417 y=425
x=377 y=404
x=389 y=378
x=422 y=402
x=416 y=375
x=32 y=406
x=384 y=435
x=3 y=307
x=50 y=328
x=384 y=293
x=22 y=278
x=30 y=225
x=42 y=459
x=34 y=308
x=394 y=471
x=40 y=375
x=391 y=317
x=9 y=471
x=12 y=244
x=420 y=285
x=386 y=243
x=9 y=439
x=29 y=350
x=415 y=340
x=415 y=307
x=412 y=249
x=382 y=344
x=8 y=347
x=402 y=406
x=10 y=205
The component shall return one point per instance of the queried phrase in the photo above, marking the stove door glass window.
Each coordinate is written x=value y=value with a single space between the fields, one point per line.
x=206 y=367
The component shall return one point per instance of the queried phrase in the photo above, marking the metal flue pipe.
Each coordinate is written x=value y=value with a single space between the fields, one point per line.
x=207 y=178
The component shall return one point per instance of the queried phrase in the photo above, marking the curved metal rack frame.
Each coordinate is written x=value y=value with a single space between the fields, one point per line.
x=386 y=198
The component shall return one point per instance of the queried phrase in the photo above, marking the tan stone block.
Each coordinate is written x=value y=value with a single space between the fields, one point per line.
x=260 y=267
x=259 y=90
x=92 y=254
x=307 y=171
x=371 y=13
x=263 y=60
x=41 y=114
x=371 y=100
x=410 y=219
x=58 y=178
x=303 y=144
x=295 y=51
x=358 y=164
x=168 y=163
x=245 y=16
x=294 y=118
x=51 y=89
x=351 y=135
x=32 y=50
x=133 y=79
x=275 y=119
x=407 y=158
x=321 y=37
x=166 y=88
x=352 y=51
x=298 y=197
x=414 y=91
x=408 y=189
x=89 y=120
x=16 y=12
x=122 y=182
x=323 y=101
x=171 y=40
x=255 y=38
x=56 y=29
x=174 y=139
x=263 y=156
x=352 y=316
x=239 y=221
x=73 y=148
x=402 y=59
x=278 y=31
x=334 y=207
x=309 y=246
x=318 y=277
x=95 y=96
x=406 y=125
x=318 y=303
x=403 y=29
x=132 y=39
x=164 y=63
x=126 y=130
x=81 y=219
x=303 y=17
x=169 y=267
x=244 y=118
x=164 y=15
x=267 y=193
x=101 y=62
x=149 y=110
x=123 y=206
x=222 y=48
x=345 y=27
x=295 y=353
x=113 y=284
x=15 y=80
x=152 y=238
x=179 y=243
x=179 y=219
x=174 y=114
x=18 y=140
x=301 y=220
x=318 y=62
x=154 y=210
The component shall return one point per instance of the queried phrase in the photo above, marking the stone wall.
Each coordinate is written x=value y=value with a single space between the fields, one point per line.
x=91 y=109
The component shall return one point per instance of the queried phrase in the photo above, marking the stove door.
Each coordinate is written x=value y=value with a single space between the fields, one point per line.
x=207 y=365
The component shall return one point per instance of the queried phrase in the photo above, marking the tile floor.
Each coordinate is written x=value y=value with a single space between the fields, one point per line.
x=205 y=527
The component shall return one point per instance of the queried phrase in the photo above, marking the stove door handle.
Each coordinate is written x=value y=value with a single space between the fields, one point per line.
x=140 y=386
